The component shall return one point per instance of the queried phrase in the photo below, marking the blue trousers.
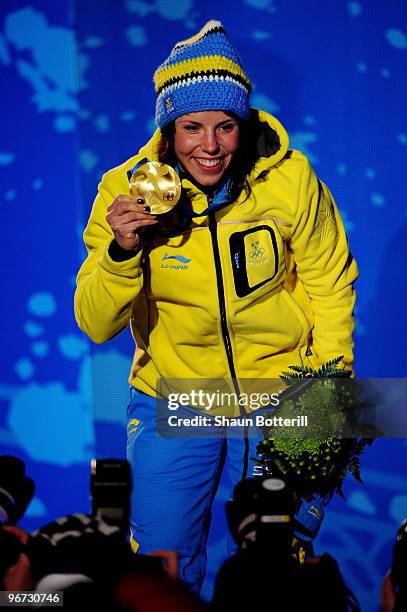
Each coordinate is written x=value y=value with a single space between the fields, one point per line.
x=174 y=485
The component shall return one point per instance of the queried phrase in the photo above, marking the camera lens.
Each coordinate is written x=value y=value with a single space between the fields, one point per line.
x=16 y=489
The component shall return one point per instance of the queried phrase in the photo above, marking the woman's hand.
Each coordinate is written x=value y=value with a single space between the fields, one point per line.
x=127 y=216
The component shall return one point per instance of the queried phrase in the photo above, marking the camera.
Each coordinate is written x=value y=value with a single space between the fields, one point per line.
x=16 y=490
x=399 y=566
x=110 y=486
x=264 y=571
x=260 y=514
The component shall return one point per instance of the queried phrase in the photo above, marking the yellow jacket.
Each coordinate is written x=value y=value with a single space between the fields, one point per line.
x=264 y=283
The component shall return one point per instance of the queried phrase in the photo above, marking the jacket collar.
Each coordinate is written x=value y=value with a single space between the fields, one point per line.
x=272 y=143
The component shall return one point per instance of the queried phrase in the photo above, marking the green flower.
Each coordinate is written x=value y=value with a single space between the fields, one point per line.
x=315 y=459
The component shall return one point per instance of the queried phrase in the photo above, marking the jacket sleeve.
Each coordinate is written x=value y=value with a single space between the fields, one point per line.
x=105 y=288
x=326 y=267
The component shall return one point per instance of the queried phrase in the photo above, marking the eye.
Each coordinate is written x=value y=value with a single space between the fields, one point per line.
x=227 y=127
x=191 y=129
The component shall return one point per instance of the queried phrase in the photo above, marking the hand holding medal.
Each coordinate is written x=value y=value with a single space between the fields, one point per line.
x=155 y=189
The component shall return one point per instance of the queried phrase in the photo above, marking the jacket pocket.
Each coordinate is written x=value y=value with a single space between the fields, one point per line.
x=300 y=315
x=257 y=259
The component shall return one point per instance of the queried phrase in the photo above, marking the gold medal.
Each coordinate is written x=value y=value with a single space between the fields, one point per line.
x=158 y=185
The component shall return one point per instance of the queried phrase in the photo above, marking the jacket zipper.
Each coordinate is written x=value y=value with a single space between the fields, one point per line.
x=222 y=306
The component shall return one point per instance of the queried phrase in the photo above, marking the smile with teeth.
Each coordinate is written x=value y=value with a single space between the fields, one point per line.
x=208 y=163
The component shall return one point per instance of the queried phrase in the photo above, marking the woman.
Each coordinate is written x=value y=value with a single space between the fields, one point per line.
x=266 y=280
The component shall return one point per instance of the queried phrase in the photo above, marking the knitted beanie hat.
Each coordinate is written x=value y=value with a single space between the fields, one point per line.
x=201 y=73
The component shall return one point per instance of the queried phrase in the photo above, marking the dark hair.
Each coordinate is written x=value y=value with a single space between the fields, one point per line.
x=242 y=163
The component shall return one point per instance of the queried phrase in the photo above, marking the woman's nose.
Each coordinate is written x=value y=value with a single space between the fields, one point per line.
x=209 y=143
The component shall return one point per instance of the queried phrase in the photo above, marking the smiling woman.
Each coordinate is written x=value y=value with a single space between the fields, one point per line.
x=235 y=142
x=205 y=143
x=261 y=279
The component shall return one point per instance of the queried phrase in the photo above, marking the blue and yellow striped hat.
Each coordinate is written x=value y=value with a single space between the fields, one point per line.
x=201 y=73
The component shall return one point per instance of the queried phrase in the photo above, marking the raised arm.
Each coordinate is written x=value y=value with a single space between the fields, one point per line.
x=111 y=276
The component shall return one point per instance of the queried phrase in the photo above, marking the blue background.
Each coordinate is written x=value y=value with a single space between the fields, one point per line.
x=77 y=98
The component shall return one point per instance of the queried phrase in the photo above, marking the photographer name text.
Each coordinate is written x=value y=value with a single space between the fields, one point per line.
x=257 y=420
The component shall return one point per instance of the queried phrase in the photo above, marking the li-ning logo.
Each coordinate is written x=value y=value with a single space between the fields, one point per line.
x=132 y=426
x=169 y=106
x=256 y=255
x=183 y=265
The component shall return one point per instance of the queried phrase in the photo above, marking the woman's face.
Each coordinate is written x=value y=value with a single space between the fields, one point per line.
x=205 y=143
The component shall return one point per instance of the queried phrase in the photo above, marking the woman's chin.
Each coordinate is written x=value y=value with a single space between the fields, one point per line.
x=207 y=178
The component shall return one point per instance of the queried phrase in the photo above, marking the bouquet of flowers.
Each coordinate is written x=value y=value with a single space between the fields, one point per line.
x=316 y=463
